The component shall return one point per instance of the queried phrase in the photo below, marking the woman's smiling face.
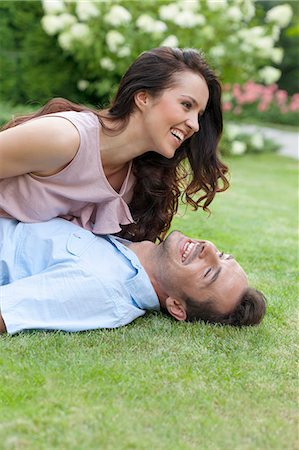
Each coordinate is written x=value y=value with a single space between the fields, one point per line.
x=174 y=116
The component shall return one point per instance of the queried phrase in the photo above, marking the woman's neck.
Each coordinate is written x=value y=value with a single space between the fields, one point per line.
x=120 y=148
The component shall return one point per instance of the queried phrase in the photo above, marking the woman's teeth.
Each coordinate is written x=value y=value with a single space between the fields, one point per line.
x=178 y=134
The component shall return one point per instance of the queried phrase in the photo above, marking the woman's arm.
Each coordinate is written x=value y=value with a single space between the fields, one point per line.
x=43 y=146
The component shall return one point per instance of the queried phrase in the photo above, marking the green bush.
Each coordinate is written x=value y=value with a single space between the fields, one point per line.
x=289 y=42
x=237 y=36
x=79 y=50
x=9 y=110
x=33 y=67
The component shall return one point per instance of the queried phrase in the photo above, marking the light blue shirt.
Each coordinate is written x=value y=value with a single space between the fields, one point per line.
x=57 y=276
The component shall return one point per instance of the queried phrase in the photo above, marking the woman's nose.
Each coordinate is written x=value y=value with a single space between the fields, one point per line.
x=193 y=123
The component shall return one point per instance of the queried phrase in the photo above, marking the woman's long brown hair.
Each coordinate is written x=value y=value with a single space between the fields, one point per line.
x=161 y=182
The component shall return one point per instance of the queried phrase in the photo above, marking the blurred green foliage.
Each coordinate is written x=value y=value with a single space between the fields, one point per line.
x=289 y=41
x=32 y=65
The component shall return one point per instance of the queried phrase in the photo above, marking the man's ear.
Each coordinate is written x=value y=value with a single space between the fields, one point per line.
x=176 y=308
x=141 y=100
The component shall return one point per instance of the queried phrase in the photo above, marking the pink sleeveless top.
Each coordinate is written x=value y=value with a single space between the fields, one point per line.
x=80 y=192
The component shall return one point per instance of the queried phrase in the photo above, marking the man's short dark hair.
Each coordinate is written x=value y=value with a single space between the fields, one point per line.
x=249 y=310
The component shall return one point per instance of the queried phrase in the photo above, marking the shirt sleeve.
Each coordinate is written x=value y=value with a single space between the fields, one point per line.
x=63 y=297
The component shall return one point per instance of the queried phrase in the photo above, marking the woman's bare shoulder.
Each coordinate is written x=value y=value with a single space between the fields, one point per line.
x=44 y=144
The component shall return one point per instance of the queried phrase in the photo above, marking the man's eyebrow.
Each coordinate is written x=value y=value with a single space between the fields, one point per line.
x=215 y=276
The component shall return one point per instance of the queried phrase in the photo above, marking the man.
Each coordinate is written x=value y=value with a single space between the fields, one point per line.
x=57 y=276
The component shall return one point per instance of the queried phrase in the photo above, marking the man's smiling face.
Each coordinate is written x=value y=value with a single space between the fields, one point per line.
x=189 y=268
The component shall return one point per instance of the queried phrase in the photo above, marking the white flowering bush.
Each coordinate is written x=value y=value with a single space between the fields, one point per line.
x=236 y=142
x=104 y=37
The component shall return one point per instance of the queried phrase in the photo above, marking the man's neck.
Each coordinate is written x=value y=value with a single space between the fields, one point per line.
x=146 y=253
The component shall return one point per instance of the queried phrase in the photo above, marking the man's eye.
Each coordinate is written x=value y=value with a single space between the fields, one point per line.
x=207 y=272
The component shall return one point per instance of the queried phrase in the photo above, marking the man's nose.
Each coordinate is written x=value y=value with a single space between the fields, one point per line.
x=210 y=253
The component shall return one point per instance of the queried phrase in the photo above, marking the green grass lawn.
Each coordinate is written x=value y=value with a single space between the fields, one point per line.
x=158 y=384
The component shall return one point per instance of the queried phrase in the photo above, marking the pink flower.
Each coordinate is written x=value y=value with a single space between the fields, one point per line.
x=226 y=87
x=262 y=106
x=227 y=106
x=281 y=96
x=283 y=109
x=265 y=97
x=272 y=87
x=294 y=103
x=236 y=90
x=294 y=106
x=237 y=110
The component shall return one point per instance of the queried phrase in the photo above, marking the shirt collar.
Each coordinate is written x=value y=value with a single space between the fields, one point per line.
x=140 y=285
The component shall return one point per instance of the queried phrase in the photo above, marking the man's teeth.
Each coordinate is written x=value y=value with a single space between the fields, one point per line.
x=178 y=134
x=187 y=250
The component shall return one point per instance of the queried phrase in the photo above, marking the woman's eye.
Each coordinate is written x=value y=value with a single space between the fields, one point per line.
x=187 y=105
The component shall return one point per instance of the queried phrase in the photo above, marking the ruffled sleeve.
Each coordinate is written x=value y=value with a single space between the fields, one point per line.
x=109 y=215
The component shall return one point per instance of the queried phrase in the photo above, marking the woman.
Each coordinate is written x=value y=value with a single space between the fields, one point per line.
x=120 y=170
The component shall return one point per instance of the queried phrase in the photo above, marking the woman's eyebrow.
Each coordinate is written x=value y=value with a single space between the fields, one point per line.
x=191 y=98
